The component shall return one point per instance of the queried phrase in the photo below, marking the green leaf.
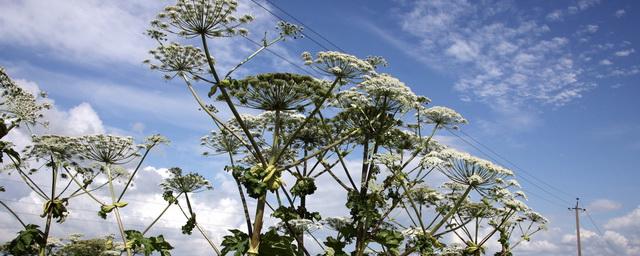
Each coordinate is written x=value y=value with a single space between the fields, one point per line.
x=304 y=186
x=27 y=242
x=237 y=243
x=136 y=241
x=188 y=227
x=274 y=244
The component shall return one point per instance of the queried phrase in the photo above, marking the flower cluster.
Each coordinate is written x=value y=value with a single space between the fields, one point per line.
x=275 y=91
x=300 y=225
x=211 y=18
x=337 y=223
x=341 y=65
x=154 y=140
x=17 y=104
x=385 y=89
x=176 y=59
x=469 y=170
x=107 y=149
x=442 y=116
x=189 y=183
x=59 y=147
x=289 y=30
x=221 y=142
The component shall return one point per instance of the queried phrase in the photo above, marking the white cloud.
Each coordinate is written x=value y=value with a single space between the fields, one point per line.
x=628 y=221
x=624 y=53
x=582 y=5
x=555 y=15
x=603 y=205
x=620 y=13
x=606 y=62
x=84 y=31
x=592 y=28
x=514 y=61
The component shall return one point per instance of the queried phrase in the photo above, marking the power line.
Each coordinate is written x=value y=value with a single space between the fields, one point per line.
x=593 y=223
x=95 y=210
x=564 y=201
x=277 y=16
x=279 y=56
x=103 y=193
x=516 y=166
x=304 y=25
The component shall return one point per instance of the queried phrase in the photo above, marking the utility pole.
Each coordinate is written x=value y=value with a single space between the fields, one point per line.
x=577 y=209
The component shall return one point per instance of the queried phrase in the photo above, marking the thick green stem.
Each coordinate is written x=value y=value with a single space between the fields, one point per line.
x=47 y=229
x=453 y=210
x=14 y=214
x=116 y=210
x=203 y=233
x=124 y=190
x=257 y=226
x=232 y=107
x=159 y=216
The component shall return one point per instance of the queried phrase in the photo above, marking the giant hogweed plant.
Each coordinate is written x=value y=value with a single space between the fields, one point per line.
x=309 y=126
x=83 y=166
x=306 y=127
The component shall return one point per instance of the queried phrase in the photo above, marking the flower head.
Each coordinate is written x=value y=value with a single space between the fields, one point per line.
x=211 y=18
x=108 y=149
x=155 y=140
x=276 y=91
x=17 y=104
x=175 y=59
x=469 y=170
x=56 y=146
x=189 y=183
x=442 y=116
x=389 y=91
x=341 y=65
x=222 y=141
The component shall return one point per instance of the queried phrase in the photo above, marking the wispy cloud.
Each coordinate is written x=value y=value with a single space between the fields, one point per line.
x=516 y=61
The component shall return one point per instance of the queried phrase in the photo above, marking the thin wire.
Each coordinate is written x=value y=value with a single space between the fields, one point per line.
x=100 y=192
x=304 y=25
x=599 y=231
x=302 y=32
x=497 y=161
x=137 y=217
x=280 y=56
x=516 y=166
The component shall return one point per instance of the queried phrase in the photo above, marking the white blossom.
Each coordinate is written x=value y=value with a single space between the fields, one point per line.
x=442 y=116
x=341 y=65
x=211 y=18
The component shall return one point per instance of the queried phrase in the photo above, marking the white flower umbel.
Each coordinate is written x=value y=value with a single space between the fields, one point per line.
x=211 y=18
x=276 y=91
x=108 y=149
x=175 y=59
x=185 y=183
x=394 y=93
x=61 y=148
x=17 y=105
x=442 y=117
x=469 y=170
x=341 y=65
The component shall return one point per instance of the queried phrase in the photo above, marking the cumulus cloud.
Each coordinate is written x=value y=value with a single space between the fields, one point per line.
x=102 y=32
x=620 y=13
x=603 y=205
x=621 y=237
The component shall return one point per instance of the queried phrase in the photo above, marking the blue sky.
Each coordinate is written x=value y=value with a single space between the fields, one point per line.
x=551 y=86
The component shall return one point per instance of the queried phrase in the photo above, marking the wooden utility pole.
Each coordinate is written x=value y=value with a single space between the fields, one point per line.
x=577 y=209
